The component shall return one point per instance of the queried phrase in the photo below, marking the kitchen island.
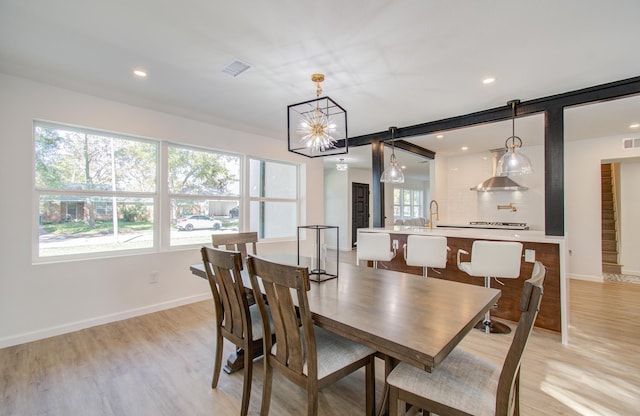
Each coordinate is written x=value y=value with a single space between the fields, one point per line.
x=546 y=249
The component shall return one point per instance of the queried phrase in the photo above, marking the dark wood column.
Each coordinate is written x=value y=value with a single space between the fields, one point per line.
x=554 y=171
x=377 y=188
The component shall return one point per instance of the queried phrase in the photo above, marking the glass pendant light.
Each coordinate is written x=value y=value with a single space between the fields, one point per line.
x=513 y=162
x=393 y=173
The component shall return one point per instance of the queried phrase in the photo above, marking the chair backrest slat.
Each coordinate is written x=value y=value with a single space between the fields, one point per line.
x=529 y=305
x=278 y=280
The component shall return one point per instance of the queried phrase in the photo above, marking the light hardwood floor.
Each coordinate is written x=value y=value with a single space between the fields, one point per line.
x=161 y=364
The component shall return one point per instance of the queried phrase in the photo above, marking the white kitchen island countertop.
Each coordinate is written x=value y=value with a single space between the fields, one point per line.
x=479 y=233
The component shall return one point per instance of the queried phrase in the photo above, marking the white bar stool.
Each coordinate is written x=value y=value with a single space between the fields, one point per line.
x=497 y=259
x=426 y=251
x=375 y=247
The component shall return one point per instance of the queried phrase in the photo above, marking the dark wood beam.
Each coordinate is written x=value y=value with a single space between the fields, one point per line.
x=597 y=93
x=553 y=108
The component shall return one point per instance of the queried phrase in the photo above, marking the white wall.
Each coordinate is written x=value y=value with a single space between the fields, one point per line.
x=42 y=300
x=583 y=227
x=630 y=216
x=337 y=206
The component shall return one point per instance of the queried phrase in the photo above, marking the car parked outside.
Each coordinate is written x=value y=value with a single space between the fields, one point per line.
x=194 y=222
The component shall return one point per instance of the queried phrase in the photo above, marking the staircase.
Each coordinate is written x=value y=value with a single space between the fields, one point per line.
x=609 y=221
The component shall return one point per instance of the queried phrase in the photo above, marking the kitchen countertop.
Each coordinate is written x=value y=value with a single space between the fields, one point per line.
x=465 y=232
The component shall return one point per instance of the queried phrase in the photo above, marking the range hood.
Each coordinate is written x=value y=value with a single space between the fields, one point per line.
x=498 y=183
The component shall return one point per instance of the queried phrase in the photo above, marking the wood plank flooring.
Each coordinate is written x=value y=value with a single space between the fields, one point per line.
x=161 y=364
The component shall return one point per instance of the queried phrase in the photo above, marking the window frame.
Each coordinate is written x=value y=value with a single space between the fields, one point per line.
x=160 y=198
x=414 y=201
x=168 y=228
x=37 y=192
x=250 y=199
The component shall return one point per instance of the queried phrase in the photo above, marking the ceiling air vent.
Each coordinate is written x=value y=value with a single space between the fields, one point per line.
x=631 y=143
x=236 y=68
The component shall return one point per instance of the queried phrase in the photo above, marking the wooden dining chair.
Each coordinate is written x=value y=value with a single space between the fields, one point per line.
x=465 y=384
x=309 y=356
x=236 y=242
x=236 y=320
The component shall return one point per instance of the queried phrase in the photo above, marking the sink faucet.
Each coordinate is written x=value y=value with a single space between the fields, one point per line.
x=431 y=212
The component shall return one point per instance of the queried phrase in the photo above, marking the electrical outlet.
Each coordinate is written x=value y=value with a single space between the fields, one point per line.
x=395 y=244
x=529 y=256
x=153 y=277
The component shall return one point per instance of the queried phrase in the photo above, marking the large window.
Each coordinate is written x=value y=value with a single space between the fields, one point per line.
x=273 y=194
x=100 y=193
x=96 y=192
x=407 y=203
x=204 y=192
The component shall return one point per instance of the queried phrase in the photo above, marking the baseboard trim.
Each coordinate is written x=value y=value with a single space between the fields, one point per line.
x=587 y=277
x=99 y=320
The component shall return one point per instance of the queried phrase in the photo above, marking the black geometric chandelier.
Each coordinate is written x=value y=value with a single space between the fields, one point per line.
x=317 y=127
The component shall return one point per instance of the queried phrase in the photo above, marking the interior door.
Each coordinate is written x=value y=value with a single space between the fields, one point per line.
x=359 y=209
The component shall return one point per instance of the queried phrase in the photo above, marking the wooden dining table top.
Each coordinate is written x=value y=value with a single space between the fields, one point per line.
x=407 y=317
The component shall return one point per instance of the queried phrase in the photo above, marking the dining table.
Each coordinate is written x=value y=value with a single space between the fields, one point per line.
x=411 y=318
x=403 y=317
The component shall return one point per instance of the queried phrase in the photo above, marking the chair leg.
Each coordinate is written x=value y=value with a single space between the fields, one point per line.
x=266 y=388
x=487 y=316
x=396 y=406
x=516 y=393
x=312 y=401
x=248 y=374
x=217 y=360
x=370 y=394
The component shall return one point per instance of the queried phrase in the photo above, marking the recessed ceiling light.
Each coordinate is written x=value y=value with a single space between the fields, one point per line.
x=139 y=73
x=489 y=80
x=464 y=148
x=634 y=125
x=403 y=167
x=440 y=136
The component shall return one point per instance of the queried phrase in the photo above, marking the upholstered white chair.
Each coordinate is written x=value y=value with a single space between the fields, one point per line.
x=426 y=251
x=374 y=247
x=465 y=384
x=492 y=259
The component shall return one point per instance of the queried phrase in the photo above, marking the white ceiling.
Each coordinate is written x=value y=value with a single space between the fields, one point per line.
x=387 y=62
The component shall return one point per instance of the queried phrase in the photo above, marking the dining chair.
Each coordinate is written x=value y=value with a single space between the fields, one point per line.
x=426 y=251
x=306 y=354
x=236 y=320
x=492 y=259
x=374 y=247
x=237 y=242
x=465 y=384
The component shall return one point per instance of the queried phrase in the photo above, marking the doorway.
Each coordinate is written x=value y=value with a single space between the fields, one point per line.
x=620 y=204
x=359 y=209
